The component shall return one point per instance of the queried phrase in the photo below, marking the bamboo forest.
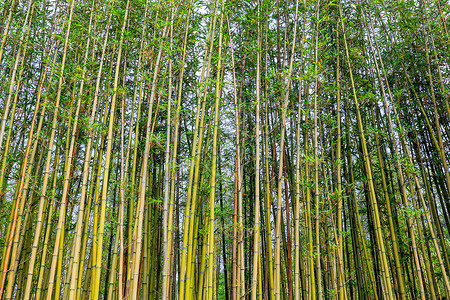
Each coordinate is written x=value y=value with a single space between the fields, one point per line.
x=224 y=149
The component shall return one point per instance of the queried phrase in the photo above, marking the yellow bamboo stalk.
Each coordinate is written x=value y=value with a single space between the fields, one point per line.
x=277 y=266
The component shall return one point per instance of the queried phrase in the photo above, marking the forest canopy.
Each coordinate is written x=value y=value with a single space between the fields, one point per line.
x=224 y=149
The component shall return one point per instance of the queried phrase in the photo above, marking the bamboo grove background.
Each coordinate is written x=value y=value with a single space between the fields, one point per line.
x=224 y=149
